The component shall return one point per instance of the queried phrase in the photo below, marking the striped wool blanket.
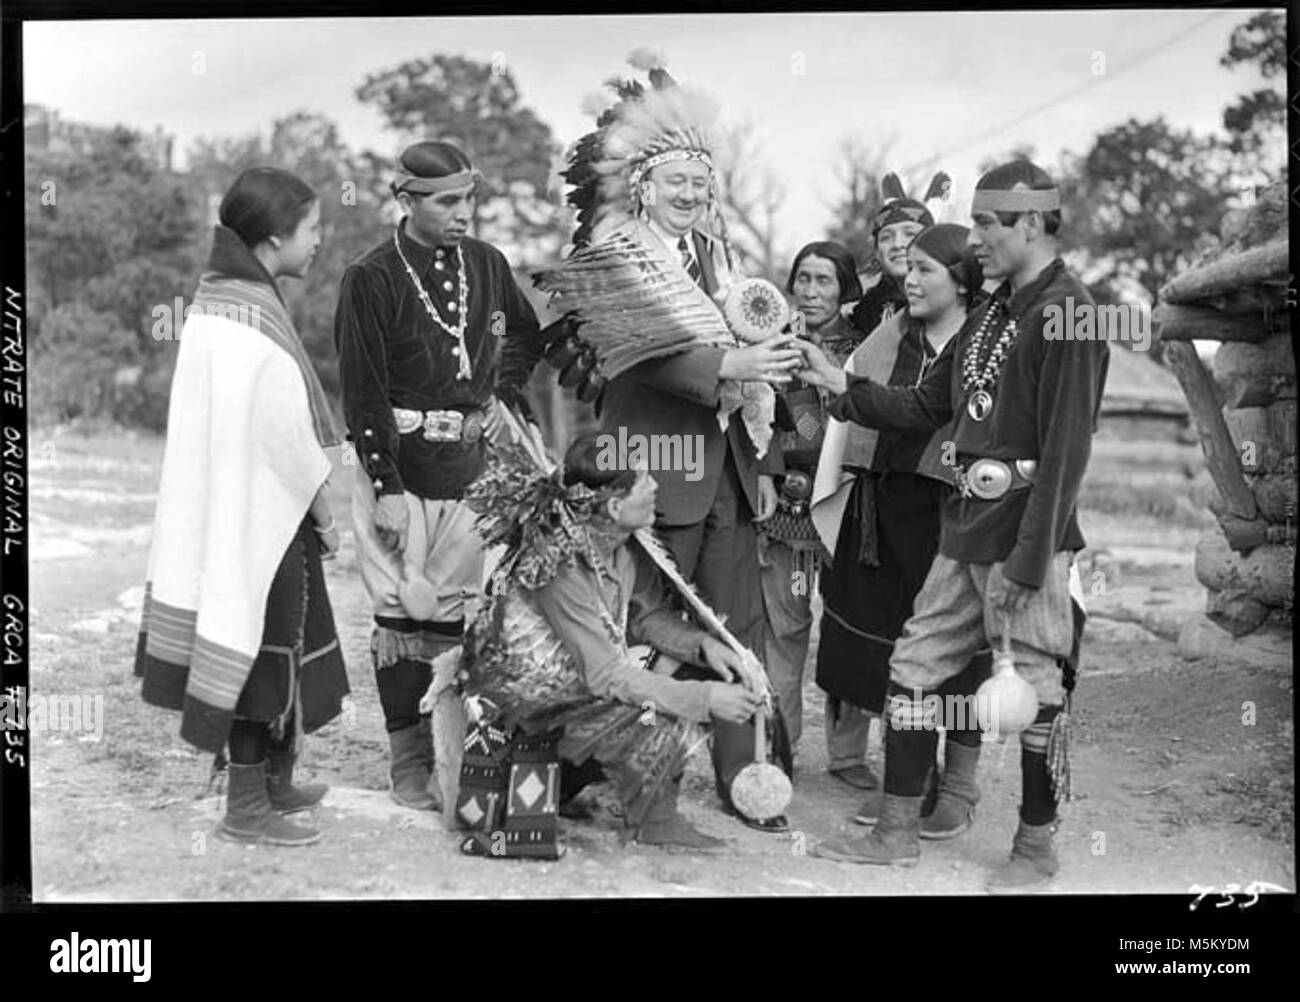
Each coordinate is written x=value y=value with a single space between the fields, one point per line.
x=247 y=428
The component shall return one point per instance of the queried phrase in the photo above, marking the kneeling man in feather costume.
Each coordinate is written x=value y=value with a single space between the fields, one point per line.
x=551 y=660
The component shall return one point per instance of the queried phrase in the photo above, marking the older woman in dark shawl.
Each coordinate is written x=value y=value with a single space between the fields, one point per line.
x=823 y=277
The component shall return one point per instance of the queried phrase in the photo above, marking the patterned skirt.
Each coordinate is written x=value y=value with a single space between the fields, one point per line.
x=298 y=676
x=867 y=606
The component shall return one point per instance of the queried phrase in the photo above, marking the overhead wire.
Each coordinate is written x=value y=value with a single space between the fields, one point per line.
x=1067 y=95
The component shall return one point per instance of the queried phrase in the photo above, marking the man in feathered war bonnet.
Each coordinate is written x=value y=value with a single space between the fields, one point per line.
x=419 y=325
x=647 y=172
x=1025 y=408
x=898 y=220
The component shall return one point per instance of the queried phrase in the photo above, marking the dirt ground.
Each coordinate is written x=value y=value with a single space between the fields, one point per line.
x=1183 y=772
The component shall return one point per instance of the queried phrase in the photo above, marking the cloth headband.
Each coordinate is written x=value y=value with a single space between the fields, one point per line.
x=432 y=185
x=1022 y=200
x=667 y=156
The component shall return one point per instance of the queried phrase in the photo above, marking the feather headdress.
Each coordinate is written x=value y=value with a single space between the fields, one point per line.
x=644 y=127
x=522 y=502
x=626 y=296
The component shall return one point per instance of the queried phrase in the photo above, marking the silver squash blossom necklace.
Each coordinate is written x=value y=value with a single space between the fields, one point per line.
x=994 y=347
x=462 y=307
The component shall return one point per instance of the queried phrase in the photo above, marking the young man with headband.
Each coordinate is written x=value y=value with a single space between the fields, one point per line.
x=1025 y=408
x=419 y=324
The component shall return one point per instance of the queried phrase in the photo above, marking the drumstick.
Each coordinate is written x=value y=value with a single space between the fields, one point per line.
x=654 y=549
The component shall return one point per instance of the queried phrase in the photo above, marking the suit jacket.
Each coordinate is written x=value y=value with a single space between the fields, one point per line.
x=678 y=395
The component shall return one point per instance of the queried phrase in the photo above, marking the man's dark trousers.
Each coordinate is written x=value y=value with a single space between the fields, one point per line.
x=720 y=556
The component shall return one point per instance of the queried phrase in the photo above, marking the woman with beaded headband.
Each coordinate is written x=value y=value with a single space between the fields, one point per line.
x=896 y=224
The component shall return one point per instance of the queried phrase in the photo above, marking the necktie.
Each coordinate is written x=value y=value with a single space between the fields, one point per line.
x=688 y=260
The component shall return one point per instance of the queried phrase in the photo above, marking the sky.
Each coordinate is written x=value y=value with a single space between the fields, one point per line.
x=941 y=84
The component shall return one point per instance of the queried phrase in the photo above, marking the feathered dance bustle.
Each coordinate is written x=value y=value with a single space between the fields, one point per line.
x=633 y=300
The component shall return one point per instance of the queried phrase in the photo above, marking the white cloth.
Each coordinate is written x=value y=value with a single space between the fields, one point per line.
x=240 y=469
x=674 y=243
x=831 y=483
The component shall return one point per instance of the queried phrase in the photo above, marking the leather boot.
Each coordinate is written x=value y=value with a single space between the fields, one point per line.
x=664 y=826
x=954 y=809
x=249 y=816
x=893 y=842
x=869 y=813
x=412 y=766
x=285 y=797
x=1032 y=864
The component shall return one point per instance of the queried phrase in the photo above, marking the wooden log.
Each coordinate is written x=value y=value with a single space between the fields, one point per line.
x=1220 y=453
x=1255 y=375
x=1266 y=574
x=1248 y=267
x=1275 y=494
x=1264 y=436
x=1175 y=322
x=1205 y=493
x=1235 y=611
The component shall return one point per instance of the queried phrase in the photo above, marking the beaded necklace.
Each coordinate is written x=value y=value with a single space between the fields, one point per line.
x=994 y=346
x=458 y=332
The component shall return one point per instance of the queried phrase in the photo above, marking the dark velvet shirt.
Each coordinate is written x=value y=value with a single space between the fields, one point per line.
x=885 y=296
x=392 y=354
x=1046 y=403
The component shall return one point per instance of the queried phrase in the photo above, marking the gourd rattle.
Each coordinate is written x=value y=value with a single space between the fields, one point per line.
x=761 y=790
x=1005 y=703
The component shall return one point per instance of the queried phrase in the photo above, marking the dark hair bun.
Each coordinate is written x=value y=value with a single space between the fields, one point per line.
x=265 y=202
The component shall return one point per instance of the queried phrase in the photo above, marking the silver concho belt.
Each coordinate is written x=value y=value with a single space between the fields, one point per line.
x=990 y=479
x=441 y=426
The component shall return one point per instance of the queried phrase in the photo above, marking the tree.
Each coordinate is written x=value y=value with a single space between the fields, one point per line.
x=477 y=106
x=353 y=198
x=1256 y=122
x=1021 y=151
x=861 y=165
x=751 y=197
x=1144 y=201
x=82 y=365
x=110 y=237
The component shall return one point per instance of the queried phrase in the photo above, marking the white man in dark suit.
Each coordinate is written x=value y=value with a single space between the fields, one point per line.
x=651 y=172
